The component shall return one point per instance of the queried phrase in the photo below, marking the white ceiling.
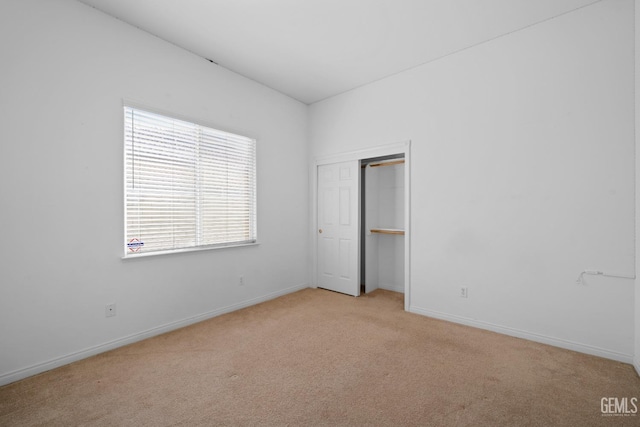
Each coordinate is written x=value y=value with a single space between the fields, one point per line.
x=314 y=49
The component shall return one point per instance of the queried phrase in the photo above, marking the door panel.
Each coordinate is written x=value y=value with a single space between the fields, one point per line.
x=338 y=227
x=329 y=207
x=345 y=207
x=344 y=258
x=324 y=249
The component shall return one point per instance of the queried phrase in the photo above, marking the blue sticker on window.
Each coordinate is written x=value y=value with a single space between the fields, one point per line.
x=135 y=245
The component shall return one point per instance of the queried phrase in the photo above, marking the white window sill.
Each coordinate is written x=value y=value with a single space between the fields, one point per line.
x=185 y=250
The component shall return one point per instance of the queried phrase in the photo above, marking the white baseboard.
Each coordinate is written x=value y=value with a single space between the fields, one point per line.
x=556 y=342
x=636 y=365
x=101 y=348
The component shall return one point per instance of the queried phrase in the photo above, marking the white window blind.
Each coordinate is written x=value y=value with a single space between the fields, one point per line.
x=186 y=185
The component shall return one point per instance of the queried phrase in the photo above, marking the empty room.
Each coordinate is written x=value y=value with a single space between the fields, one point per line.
x=237 y=212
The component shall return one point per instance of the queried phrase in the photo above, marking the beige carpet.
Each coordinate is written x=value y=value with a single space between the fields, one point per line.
x=320 y=358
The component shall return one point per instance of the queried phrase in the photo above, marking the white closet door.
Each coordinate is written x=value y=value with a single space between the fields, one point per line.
x=338 y=227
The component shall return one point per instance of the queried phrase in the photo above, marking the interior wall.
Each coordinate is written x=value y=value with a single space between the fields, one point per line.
x=522 y=177
x=637 y=135
x=66 y=69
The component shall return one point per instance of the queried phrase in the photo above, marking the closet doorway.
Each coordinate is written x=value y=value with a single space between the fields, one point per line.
x=361 y=238
x=382 y=228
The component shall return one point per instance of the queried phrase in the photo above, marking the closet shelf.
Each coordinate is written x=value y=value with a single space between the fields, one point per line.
x=388 y=231
x=387 y=163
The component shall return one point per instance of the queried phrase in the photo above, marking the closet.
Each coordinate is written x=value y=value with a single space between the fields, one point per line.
x=382 y=223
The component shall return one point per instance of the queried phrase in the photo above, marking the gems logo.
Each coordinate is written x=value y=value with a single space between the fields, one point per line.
x=619 y=407
x=135 y=245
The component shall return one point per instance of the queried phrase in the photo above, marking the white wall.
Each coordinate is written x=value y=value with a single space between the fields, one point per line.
x=522 y=177
x=65 y=71
x=637 y=134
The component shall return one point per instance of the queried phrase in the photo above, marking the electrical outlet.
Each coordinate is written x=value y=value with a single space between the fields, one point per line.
x=464 y=292
x=110 y=310
x=241 y=281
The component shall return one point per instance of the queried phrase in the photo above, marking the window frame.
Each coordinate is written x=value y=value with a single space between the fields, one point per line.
x=253 y=216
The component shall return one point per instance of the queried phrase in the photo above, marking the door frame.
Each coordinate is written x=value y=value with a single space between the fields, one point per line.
x=379 y=151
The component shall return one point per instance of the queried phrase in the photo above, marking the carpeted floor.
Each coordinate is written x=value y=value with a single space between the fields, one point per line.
x=320 y=358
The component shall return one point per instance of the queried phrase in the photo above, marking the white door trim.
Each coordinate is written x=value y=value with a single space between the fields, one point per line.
x=379 y=151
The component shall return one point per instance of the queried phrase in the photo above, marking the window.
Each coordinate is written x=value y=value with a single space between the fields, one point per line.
x=186 y=185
